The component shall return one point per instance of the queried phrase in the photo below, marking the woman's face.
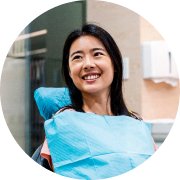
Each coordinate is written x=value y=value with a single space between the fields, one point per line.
x=90 y=65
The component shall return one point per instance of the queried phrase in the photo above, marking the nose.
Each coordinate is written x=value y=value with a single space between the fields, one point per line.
x=88 y=63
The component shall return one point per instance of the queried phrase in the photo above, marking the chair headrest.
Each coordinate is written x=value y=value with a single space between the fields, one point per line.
x=50 y=100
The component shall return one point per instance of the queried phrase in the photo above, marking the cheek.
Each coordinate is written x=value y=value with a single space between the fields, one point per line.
x=110 y=72
x=74 y=71
x=109 y=68
x=111 y=76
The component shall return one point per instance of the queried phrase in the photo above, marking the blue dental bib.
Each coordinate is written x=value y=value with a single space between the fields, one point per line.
x=91 y=146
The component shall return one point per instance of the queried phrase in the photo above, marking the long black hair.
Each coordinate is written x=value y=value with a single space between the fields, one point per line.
x=117 y=103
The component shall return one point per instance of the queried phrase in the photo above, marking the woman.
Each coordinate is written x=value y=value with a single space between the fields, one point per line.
x=92 y=68
x=93 y=51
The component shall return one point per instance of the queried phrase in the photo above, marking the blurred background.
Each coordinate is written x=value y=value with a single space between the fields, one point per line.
x=151 y=84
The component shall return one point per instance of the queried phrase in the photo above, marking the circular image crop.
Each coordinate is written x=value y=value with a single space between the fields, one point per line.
x=89 y=90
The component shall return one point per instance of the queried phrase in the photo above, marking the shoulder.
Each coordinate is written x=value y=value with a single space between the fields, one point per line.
x=70 y=108
x=135 y=115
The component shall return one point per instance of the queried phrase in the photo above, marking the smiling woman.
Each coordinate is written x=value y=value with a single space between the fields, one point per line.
x=92 y=72
x=96 y=53
x=94 y=135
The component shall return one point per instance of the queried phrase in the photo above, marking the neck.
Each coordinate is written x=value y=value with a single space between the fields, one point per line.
x=99 y=104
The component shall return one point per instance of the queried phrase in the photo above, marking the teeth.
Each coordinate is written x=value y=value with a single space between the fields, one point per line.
x=90 y=77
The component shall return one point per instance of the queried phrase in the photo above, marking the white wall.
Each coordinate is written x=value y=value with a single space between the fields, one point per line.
x=14 y=98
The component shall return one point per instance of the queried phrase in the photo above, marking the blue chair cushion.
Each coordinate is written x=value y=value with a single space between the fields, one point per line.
x=50 y=100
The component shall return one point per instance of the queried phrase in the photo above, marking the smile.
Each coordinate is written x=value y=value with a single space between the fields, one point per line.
x=91 y=77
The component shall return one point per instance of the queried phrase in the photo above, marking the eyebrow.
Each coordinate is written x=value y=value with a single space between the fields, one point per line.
x=94 y=49
x=101 y=49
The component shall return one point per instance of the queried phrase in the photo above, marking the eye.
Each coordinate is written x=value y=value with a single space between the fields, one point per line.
x=77 y=57
x=97 y=54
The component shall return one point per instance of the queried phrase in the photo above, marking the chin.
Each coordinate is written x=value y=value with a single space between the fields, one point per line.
x=92 y=90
